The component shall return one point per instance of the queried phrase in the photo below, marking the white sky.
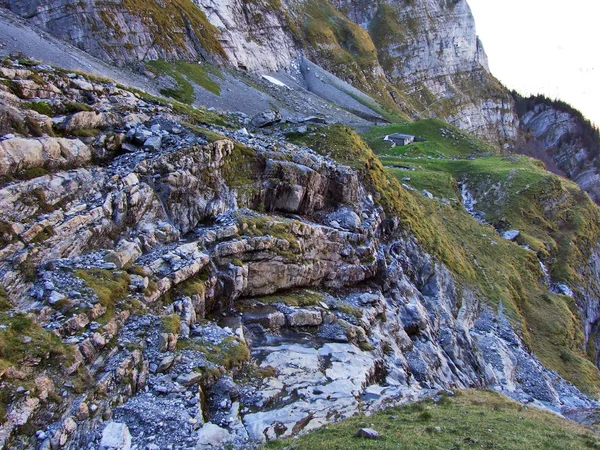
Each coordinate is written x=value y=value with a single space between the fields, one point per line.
x=544 y=46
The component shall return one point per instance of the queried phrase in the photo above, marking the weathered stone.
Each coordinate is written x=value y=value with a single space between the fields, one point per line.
x=272 y=320
x=153 y=143
x=167 y=342
x=116 y=437
x=212 y=436
x=165 y=363
x=304 y=318
x=189 y=379
x=266 y=118
x=367 y=433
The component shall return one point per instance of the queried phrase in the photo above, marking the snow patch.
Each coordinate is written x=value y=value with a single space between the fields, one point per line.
x=275 y=81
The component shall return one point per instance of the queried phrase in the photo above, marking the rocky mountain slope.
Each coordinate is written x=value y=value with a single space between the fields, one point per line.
x=558 y=134
x=173 y=276
x=172 y=281
x=416 y=58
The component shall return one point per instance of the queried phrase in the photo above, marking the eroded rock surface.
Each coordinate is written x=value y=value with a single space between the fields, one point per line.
x=221 y=287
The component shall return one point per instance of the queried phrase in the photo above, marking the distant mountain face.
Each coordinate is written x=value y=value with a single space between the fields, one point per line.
x=420 y=57
x=560 y=136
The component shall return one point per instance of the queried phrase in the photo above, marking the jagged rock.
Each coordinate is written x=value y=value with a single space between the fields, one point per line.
x=115 y=436
x=266 y=118
x=345 y=218
x=168 y=342
x=511 y=235
x=17 y=416
x=87 y=120
x=125 y=254
x=189 y=379
x=153 y=143
x=165 y=363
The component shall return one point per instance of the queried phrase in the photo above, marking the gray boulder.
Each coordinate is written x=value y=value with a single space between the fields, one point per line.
x=116 y=437
x=266 y=118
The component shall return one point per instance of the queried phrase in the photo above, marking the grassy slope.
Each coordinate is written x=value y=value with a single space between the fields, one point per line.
x=500 y=270
x=183 y=75
x=471 y=419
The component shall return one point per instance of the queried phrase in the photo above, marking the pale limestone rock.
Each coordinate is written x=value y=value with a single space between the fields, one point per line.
x=212 y=436
x=116 y=437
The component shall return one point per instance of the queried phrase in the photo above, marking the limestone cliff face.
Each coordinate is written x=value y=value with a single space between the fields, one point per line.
x=562 y=136
x=254 y=35
x=430 y=50
x=126 y=32
x=422 y=57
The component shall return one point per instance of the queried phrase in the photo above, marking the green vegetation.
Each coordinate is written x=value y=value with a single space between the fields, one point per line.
x=45 y=233
x=110 y=286
x=441 y=140
x=171 y=324
x=349 y=309
x=23 y=343
x=40 y=107
x=275 y=227
x=183 y=74
x=471 y=419
x=7 y=234
x=74 y=107
x=31 y=173
x=231 y=353
x=242 y=166
x=5 y=305
x=297 y=297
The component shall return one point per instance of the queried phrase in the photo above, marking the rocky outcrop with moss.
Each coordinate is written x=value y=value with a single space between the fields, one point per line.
x=170 y=279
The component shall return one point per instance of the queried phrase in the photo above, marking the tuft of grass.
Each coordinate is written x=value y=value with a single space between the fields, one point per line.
x=297 y=297
x=39 y=107
x=74 y=107
x=110 y=286
x=171 y=324
x=43 y=346
x=5 y=305
x=471 y=419
x=31 y=173
x=349 y=309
